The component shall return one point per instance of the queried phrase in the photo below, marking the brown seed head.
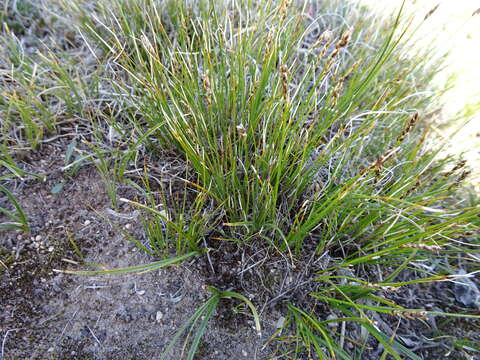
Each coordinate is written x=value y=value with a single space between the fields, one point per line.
x=283 y=10
x=411 y=314
x=241 y=131
x=284 y=78
x=433 y=248
x=206 y=86
x=382 y=287
x=413 y=120
x=206 y=82
x=430 y=13
x=458 y=166
x=344 y=39
x=268 y=45
x=327 y=36
x=463 y=175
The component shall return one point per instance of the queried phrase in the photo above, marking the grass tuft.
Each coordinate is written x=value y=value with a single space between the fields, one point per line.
x=302 y=128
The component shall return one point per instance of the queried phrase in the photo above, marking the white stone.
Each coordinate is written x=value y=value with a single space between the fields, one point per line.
x=332 y=324
x=280 y=322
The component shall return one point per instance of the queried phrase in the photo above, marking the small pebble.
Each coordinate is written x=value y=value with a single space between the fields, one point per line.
x=244 y=353
x=51 y=349
x=87 y=222
x=158 y=316
x=38 y=292
x=280 y=322
x=51 y=248
x=141 y=292
x=38 y=238
x=332 y=324
x=128 y=226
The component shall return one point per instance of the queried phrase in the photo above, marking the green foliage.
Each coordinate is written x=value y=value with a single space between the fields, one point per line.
x=294 y=132
x=293 y=140
x=17 y=14
x=197 y=323
x=40 y=90
x=269 y=141
x=134 y=269
x=178 y=223
x=18 y=218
